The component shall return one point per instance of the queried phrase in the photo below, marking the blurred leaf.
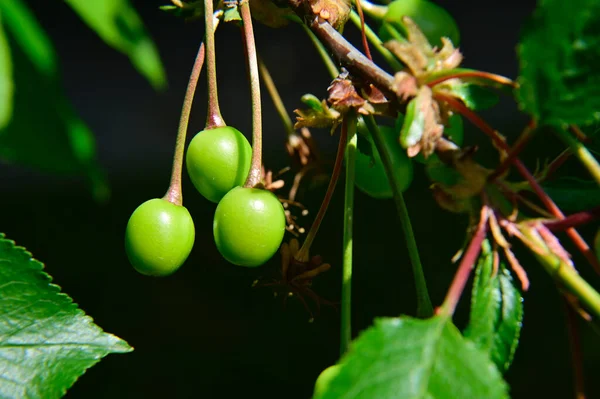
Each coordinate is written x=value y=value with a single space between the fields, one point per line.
x=560 y=63
x=411 y=358
x=46 y=341
x=572 y=194
x=30 y=36
x=44 y=131
x=119 y=25
x=6 y=81
x=496 y=311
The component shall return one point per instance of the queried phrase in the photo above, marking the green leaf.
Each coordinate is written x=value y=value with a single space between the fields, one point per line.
x=414 y=123
x=473 y=95
x=560 y=63
x=412 y=358
x=496 y=311
x=119 y=25
x=30 y=36
x=46 y=341
x=6 y=81
x=572 y=194
x=44 y=131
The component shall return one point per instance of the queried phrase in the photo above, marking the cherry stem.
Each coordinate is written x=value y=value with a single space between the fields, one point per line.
x=362 y=30
x=303 y=253
x=214 y=118
x=267 y=80
x=466 y=265
x=470 y=73
x=579 y=242
x=576 y=219
x=254 y=176
x=325 y=57
x=174 y=193
x=576 y=354
x=424 y=306
x=346 y=308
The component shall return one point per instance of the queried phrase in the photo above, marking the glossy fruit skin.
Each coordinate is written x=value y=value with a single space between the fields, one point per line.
x=249 y=225
x=159 y=237
x=325 y=378
x=218 y=160
x=433 y=20
x=370 y=176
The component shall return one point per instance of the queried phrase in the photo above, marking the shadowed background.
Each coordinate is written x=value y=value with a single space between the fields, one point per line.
x=204 y=332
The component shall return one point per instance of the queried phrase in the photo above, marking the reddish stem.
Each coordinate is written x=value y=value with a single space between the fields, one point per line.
x=576 y=357
x=475 y=119
x=579 y=134
x=174 y=193
x=365 y=43
x=466 y=265
x=302 y=254
x=576 y=219
x=473 y=74
x=522 y=141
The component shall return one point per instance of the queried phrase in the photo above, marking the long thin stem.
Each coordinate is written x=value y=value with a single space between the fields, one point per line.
x=337 y=168
x=466 y=265
x=214 y=117
x=424 y=307
x=376 y=42
x=254 y=175
x=174 y=193
x=346 y=324
x=437 y=78
x=329 y=64
x=579 y=242
x=576 y=354
x=582 y=153
x=576 y=219
x=274 y=93
x=361 y=26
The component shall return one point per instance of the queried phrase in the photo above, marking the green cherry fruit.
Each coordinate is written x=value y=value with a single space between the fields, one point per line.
x=218 y=160
x=159 y=237
x=249 y=225
x=325 y=378
x=370 y=176
x=433 y=20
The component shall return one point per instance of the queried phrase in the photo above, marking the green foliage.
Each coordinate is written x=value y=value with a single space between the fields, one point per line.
x=473 y=95
x=496 y=311
x=560 y=57
x=573 y=194
x=55 y=140
x=30 y=36
x=411 y=358
x=6 y=83
x=433 y=20
x=46 y=341
x=119 y=25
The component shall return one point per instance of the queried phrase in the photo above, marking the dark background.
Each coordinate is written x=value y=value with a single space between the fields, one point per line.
x=204 y=332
